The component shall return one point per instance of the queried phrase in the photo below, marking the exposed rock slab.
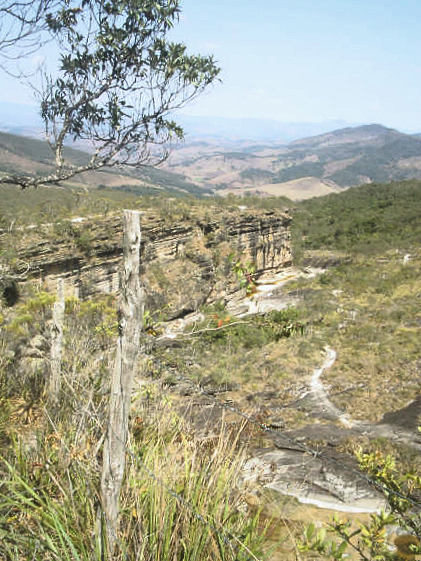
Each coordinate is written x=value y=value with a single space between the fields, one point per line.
x=311 y=480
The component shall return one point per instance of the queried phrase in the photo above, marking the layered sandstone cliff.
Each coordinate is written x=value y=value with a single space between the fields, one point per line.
x=185 y=263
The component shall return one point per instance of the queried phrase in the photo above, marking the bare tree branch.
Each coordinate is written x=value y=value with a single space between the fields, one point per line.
x=23 y=30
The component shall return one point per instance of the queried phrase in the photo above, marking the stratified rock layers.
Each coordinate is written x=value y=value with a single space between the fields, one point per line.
x=185 y=263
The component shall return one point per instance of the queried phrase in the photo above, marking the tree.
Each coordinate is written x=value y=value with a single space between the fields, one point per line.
x=119 y=80
x=21 y=22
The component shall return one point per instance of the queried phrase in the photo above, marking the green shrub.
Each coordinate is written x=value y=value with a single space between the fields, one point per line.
x=371 y=541
x=251 y=332
x=40 y=302
x=367 y=219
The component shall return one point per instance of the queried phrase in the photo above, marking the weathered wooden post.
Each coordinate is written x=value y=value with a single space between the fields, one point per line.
x=130 y=325
x=56 y=346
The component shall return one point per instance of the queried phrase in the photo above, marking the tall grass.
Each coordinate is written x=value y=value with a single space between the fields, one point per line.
x=179 y=500
x=45 y=521
x=203 y=520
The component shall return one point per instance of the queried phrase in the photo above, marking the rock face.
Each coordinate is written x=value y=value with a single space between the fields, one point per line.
x=314 y=481
x=185 y=263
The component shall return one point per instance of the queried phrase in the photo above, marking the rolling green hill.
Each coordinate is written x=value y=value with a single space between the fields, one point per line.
x=367 y=219
x=27 y=155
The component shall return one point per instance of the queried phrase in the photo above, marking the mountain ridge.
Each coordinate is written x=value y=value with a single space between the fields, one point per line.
x=21 y=154
x=305 y=168
x=361 y=133
x=338 y=159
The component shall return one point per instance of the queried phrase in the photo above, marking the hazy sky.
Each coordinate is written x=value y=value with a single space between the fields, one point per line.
x=310 y=60
x=304 y=60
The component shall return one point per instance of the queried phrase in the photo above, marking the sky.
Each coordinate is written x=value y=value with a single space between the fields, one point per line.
x=357 y=61
x=310 y=60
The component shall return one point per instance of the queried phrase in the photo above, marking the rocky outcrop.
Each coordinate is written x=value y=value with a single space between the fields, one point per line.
x=185 y=263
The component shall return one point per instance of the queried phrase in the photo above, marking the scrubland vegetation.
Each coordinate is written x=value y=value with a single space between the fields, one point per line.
x=368 y=220
x=178 y=499
x=182 y=497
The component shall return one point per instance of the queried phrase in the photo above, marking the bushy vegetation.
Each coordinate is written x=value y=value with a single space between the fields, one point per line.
x=253 y=174
x=173 y=183
x=367 y=219
x=368 y=310
x=305 y=169
x=221 y=329
x=371 y=541
x=180 y=498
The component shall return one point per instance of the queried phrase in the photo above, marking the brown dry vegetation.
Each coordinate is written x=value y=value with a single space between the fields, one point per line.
x=296 y=190
x=366 y=307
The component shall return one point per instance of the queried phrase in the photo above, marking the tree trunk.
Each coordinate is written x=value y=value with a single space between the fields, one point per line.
x=56 y=347
x=130 y=325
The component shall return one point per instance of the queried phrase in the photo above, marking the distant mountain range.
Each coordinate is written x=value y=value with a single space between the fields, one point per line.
x=20 y=154
x=306 y=167
x=25 y=119
x=241 y=159
x=229 y=130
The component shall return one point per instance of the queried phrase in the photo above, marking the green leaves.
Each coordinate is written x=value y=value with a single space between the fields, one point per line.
x=118 y=82
x=315 y=540
x=371 y=541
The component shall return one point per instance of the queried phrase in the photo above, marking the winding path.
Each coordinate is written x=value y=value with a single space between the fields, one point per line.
x=288 y=471
x=318 y=391
x=323 y=406
x=270 y=296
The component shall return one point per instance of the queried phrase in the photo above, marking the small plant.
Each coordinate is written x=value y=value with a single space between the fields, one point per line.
x=30 y=314
x=150 y=325
x=370 y=541
x=64 y=229
x=84 y=241
x=245 y=273
x=40 y=302
x=79 y=236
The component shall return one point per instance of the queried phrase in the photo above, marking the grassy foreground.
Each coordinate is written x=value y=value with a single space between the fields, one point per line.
x=49 y=505
x=181 y=497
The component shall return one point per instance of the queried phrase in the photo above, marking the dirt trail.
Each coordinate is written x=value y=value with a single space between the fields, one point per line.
x=270 y=296
x=310 y=479
x=290 y=472
x=318 y=392
x=324 y=407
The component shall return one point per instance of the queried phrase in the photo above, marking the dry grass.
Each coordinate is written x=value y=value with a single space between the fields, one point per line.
x=296 y=190
x=180 y=498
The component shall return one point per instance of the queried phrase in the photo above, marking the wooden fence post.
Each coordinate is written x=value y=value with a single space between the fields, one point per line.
x=130 y=326
x=56 y=346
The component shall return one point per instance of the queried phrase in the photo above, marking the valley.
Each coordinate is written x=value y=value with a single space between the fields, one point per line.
x=210 y=291
x=293 y=334
x=304 y=168
x=280 y=332
x=204 y=166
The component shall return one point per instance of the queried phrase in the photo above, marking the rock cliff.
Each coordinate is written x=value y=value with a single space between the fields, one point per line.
x=185 y=263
